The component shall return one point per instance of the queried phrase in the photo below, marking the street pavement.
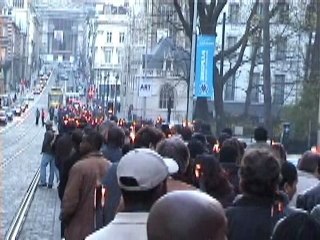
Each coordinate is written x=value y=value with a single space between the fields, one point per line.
x=20 y=145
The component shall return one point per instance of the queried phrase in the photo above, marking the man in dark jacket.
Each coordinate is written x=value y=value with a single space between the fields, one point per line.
x=113 y=149
x=47 y=156
x=254 y=214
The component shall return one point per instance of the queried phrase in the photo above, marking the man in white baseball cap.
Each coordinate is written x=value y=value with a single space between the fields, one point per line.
x=142 y=176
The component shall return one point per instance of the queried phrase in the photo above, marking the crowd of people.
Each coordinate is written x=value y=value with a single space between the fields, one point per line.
x=114 y=186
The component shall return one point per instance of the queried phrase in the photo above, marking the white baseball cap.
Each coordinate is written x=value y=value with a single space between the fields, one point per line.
x=147 y=167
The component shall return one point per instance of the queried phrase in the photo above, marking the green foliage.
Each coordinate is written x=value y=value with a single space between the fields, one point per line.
x=305 y=111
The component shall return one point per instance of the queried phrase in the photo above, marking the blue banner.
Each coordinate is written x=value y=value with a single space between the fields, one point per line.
x=204 y=66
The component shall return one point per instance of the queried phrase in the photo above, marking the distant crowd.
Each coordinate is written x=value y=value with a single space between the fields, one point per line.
x=157 y=186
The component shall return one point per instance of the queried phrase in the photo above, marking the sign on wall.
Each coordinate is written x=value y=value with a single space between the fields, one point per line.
x=204 y=66
x=145 y=88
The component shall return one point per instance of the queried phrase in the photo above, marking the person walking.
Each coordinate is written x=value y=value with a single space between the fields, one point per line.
x=42 y=117
x=37 y=116
x=47 y=156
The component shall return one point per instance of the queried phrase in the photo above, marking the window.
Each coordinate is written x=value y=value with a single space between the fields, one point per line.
x=283 y=14
x=109 y=37
x=230 y=89
x=281 y=48
x=18 y=3
x=278 y=92
x=119 y=55
x=2 y=53
x=121 y=37
x=255 y=88
x=234 y=10
x=107 y=55
x=166 y=92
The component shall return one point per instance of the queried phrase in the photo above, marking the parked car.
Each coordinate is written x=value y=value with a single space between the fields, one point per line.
x=17 y=110
x=9 y=113
x=3 y=117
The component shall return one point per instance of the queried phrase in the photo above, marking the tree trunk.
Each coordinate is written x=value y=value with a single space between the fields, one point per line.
x=266 y=69
x=256 y=46
x=315 y=55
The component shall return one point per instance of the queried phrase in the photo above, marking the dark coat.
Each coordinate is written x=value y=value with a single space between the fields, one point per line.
x=252 y=218
x=47 y=142
x=309 y=199
x=112 y=153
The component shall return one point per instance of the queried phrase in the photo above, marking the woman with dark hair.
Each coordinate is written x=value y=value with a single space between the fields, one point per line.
x=213 y=180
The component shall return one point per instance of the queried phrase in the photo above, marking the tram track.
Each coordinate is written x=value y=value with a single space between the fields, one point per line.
x=20 y=216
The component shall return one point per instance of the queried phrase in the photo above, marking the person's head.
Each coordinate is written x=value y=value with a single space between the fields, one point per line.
x=49 y=125
x=259 y=173
x=298 y=226
x=289 y=179
x=228 y=154
x=104 y=127
x=91 y=142
x=116 y=136
x=280 y=152
x=175 y=148
x=187 y=215
x=222 y=138
x=196 y=148
x=148 y=137
x=260 y=134
x=200 y=137
x=235 y=143
x=309 y=162
x=212 y=175
x=142 y=177
x=76 y=138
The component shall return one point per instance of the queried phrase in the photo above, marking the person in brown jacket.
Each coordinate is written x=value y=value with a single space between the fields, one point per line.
x=77 y=208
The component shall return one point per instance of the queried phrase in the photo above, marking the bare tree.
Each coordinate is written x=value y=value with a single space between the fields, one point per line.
x=208 y=18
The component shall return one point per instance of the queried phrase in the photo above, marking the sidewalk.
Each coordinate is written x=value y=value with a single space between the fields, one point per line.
x=42 y=221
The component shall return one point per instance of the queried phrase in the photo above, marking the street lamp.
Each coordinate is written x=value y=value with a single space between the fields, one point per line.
x=108 y=78
x=115 y=95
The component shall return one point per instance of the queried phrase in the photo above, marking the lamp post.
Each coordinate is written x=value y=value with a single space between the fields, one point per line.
x=108 y=78
x=115 y=95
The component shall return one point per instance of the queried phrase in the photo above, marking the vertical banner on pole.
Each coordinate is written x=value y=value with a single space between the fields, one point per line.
x=204 y=66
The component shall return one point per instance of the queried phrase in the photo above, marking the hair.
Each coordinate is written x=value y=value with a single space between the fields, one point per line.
x=116 y=136
x=76 y=136
x=176 y=149
x=94 y=139
x=280 y=152
x=222 y=138
x=148 y=135
x=298 y=226
x=289 y=174
x=309 y=162
x=260 y=134
x=236 y=144
x=227 y=131
x=259 y=173
x=215 y=180
x=228 y=154
x=195 y=148
x=200 y=137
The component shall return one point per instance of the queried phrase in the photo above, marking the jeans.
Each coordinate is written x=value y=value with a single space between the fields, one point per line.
x=47 y=159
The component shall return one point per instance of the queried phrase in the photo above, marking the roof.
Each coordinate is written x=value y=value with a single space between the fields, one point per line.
x=166 y=49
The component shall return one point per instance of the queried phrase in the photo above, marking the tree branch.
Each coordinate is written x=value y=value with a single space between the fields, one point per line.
x=185 y=24
x=216 y=12
x=245 y=39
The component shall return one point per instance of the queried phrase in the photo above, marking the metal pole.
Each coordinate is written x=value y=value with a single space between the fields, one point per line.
x=145 y=74
x=192 y=60
x=222 y=45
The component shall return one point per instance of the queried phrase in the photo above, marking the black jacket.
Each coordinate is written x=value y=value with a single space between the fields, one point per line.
x=252 y=218
x=47 y=142
x=309 y=199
